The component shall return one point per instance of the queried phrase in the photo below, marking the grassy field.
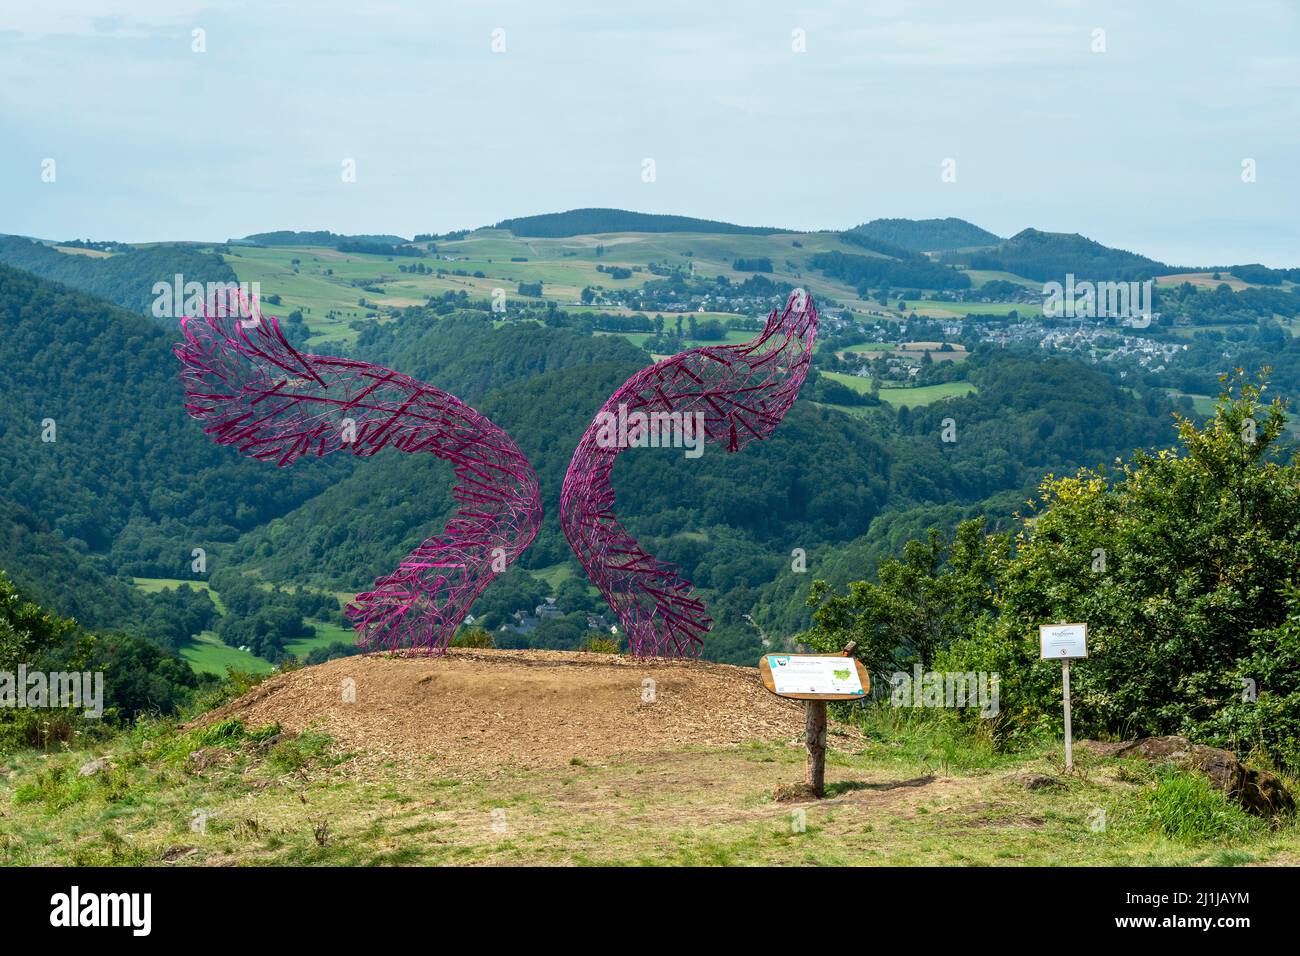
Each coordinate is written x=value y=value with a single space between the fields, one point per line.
x=925 y=394
x=1002 y=309
x=900 y=791
x=732 y=337
x=327 y=633
x=328 y=286
x=1203 y=280
x=154 y=585
x=556 y=574
x=1204 y=404
x=911 y=397
x=979 y=277
x=208 y=653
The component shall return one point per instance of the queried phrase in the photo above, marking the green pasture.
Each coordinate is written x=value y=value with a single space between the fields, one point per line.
x=209 y=653
x=911 y=397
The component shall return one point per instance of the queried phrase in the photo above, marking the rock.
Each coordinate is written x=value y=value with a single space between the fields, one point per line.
x=92 y=767
x=1037 y=781
x=178 y=853
x=205 y=758
x=1259 y=791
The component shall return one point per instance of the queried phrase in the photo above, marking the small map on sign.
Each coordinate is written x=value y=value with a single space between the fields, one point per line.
x=798 y=674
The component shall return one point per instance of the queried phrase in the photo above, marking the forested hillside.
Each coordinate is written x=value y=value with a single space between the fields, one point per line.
x=319 y=237
x=865 y=273
x=581 y=222
x=126 y=278
x=43 y=562
x=95 y=444
x=465 y=354
x=883 y=444
x=927 y=235
x=730 y=521
x=1048 y=256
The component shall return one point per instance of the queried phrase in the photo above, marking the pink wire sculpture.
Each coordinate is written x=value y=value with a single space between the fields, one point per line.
x=252 y=389
x=740 y=393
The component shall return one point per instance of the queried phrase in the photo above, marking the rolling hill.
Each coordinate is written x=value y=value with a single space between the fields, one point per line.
x=133 y=486
x=1049 y=256
x=124 y=278
x=928 y=235
x=579 y=222
x=128 y=477
x=319 y=237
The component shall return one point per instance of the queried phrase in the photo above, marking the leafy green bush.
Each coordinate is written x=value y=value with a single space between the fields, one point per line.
x=1269 y=725
x=472 y=637
x=1185 y=564
x=597 y=643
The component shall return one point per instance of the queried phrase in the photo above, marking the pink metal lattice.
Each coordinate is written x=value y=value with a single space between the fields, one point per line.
x=252 y=389
x=741 y=393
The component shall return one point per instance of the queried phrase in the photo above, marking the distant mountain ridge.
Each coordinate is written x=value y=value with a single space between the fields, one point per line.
x=926 y=235
x=126 y=279
x=1046 y=256
x=319 y=237
x=581 y=222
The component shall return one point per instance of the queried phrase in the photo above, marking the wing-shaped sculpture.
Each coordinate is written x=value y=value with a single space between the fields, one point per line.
x=740 y=393
x=252 y=389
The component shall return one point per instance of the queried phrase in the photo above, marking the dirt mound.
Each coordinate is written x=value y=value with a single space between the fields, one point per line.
x=478 y=709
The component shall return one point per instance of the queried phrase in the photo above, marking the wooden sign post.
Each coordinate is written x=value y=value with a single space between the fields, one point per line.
x=1064 y=641
x=815 y=679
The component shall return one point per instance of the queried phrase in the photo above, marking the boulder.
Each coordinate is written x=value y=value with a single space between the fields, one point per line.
x=1259 y=791
x=203 y=759
x=92 y=767
x=1037 y=781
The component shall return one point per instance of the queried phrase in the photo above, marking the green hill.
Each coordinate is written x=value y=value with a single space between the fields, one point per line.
x=319 y=237
x=926 y=235
x=125 y=278
x=1049 y=256
x=581 y=222
x=129 y=477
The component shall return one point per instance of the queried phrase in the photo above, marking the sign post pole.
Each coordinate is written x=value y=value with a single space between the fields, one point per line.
x=1064 y=642
x=815 y=679
x=1069 y=743
x=815 y=735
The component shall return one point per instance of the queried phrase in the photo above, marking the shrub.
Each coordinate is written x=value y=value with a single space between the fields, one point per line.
x=1182 y=562
x=472 y=637
x=600 y=644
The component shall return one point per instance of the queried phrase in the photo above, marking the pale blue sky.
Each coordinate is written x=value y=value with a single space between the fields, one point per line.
x=1140 y=146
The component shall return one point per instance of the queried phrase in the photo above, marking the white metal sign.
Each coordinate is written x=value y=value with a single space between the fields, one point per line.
x=1062 y=641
